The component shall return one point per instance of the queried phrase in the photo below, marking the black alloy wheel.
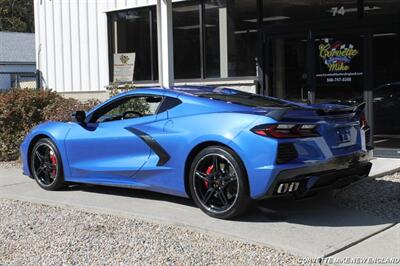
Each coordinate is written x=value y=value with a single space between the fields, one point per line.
x=218 y=183
x=46 y=166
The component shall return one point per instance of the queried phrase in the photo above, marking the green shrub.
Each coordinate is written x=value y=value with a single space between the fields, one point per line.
x=23 y=109
x=115 y=88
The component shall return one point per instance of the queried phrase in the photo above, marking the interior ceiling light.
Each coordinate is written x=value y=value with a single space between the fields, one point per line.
x=191 y=27
x=132 y=17
x=192 y=8
x=244 y=31
x=268 y=19
x=385 y=34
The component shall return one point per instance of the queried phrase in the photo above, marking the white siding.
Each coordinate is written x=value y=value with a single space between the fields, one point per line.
x=75 y=49
x=58 y=39
x=93 y=42
x=66 y=47
x=72 y=43
x=49 y=46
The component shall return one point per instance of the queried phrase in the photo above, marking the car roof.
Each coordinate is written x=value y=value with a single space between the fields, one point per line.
x=171 y=92
x=188 y=90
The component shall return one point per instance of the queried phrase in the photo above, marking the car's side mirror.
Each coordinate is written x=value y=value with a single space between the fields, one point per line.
x=80 y=116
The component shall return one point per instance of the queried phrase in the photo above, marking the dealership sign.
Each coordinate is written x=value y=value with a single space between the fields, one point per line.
x=124 y=67
x=337 y=56
x=339 y=61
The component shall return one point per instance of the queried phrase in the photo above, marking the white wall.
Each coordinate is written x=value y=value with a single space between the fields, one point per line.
x=72 y=42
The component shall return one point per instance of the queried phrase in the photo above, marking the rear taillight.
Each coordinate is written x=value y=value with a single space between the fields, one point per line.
x=281 y=131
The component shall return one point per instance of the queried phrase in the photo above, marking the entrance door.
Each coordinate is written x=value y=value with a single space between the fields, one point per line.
x=315 y=67
x=287 y=66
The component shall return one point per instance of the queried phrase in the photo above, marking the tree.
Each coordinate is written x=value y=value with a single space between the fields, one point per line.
x=16 y=15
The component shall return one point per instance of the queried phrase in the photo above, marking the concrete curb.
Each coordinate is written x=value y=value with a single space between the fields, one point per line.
x=379 y=175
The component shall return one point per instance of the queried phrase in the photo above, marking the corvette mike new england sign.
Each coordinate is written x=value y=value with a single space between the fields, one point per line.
x=338 y=61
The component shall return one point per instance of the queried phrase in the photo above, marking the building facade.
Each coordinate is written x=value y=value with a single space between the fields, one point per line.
x=308 y=50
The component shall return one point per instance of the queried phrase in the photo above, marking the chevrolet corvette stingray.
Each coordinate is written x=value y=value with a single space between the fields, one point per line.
x=221 y=147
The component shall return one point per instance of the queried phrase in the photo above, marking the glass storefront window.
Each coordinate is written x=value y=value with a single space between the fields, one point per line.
x=186 y=25
x=242 y=40
x=386 y=78
x=133 y=37
x=339 y=52
x=278 y=12
x=381 y=7
x=215 y=39
x=288 y=67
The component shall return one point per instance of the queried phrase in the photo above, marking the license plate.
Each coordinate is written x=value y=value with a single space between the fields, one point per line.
x=344 y=135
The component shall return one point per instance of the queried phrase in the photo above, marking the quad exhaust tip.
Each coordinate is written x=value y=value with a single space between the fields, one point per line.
x=290 y=187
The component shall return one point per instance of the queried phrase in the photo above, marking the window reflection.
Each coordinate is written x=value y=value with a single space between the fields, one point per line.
x=215 y=38
x=134 y=32
x=222 y=45
x=242 y=40
x=186 y=28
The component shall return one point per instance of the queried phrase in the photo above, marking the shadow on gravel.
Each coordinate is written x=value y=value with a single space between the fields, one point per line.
x=371 y=202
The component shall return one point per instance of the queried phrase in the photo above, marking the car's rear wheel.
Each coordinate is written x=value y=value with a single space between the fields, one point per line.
x=218 y=183
x=46 y=166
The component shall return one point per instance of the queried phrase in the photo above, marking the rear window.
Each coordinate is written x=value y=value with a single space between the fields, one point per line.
x=245 y=99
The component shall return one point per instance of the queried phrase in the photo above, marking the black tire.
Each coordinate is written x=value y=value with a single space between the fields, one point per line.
x=214 y=189
x=46 y=165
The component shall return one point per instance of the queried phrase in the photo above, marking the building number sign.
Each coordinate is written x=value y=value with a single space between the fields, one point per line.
x=338 y=11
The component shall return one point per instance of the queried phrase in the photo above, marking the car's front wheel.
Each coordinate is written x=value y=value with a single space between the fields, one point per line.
x=218 y=183
x=46 y=166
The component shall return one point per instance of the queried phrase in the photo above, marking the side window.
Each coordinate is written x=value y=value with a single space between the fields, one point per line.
x=128 y=108
x=169 y=103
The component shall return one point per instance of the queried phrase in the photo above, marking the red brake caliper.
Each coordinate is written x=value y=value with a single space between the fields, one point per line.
x=208 y=172
x=53 y=160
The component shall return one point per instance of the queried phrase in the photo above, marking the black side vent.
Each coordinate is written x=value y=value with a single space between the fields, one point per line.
x=286 y=153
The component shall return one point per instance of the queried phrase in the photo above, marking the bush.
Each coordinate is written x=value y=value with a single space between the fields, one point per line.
x=23 y=109
x=115 y=88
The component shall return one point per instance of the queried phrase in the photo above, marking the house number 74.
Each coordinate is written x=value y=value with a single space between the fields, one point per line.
x=338 y=11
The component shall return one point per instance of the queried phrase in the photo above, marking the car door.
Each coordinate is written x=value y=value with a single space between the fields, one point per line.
x=106 y=148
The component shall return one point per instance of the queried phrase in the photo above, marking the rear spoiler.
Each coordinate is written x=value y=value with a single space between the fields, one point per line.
x=345 y=110
x=279 y=114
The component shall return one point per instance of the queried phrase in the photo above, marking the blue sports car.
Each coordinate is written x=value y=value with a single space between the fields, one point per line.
x=222 y=147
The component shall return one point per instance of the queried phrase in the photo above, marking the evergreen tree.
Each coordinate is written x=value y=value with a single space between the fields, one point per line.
x=16 y=15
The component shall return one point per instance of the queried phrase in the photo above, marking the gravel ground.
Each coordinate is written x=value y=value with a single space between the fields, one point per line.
x=379 y=197
x=37 y=234
x=77 y=237
x=12 y=164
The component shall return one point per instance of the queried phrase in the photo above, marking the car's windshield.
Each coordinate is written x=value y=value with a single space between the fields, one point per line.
x=246 y=99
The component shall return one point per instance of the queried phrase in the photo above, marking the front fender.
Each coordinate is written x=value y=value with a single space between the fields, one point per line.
x=56 y=131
